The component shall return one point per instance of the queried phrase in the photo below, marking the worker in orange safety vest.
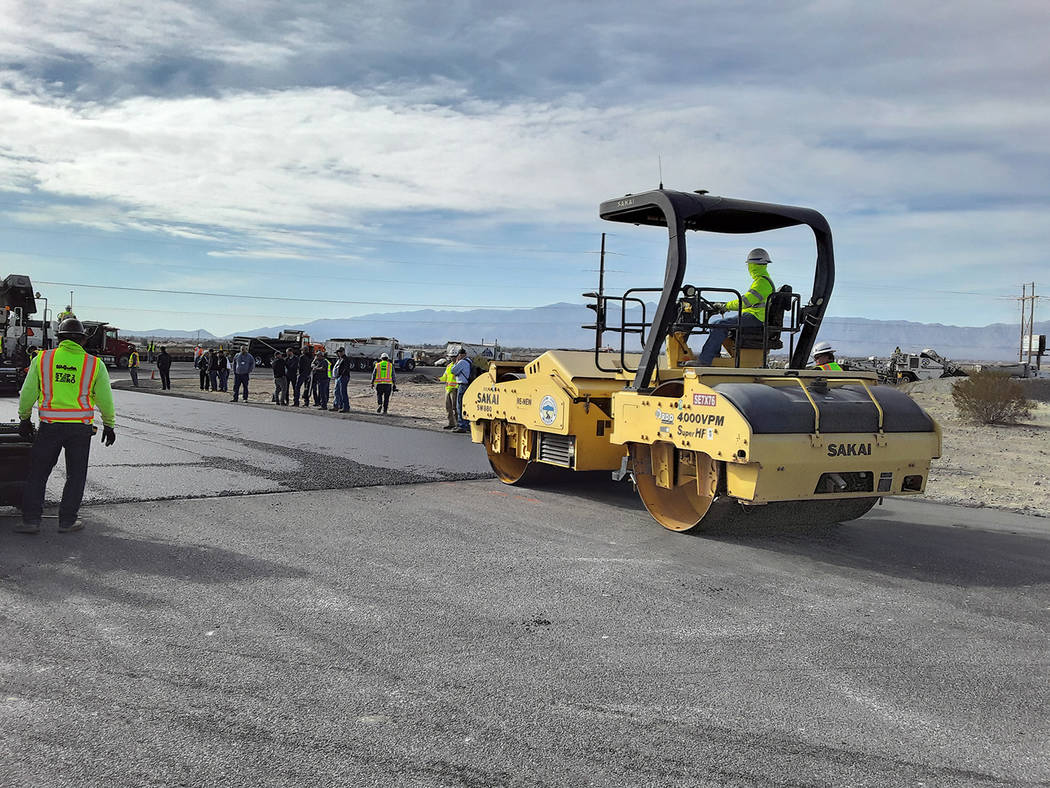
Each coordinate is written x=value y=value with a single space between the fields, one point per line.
x=66 y=384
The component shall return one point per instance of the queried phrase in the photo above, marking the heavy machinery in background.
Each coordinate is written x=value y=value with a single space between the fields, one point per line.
x=731 y=442
x=264 y=348
x=925 y=365
x=363 y=352
x=104 y=341
x=19 y=332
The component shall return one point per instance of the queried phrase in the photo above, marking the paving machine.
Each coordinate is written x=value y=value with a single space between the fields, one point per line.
x=731 y=441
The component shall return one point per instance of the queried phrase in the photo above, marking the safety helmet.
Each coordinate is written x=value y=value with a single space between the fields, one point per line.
x=71 y=328
x=384 y=357
x=821 y=348
x=758 y=256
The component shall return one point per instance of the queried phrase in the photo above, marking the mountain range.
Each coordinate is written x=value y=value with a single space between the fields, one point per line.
x=559 y=325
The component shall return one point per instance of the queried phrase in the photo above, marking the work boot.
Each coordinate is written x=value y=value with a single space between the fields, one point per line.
x=27 y=528
x=379 y=409
x=65 y=528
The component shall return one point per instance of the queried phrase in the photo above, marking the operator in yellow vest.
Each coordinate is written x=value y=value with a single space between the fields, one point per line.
x=824 y=357
x=383 y=380
x=451 y=387
x=67 y=384
x=66 y=314
x=751 y=306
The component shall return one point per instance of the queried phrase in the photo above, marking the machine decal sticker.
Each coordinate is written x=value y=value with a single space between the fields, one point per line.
x=524 y=400
x=849 y=449
x=666 y=418
x=705 y=400
x=548 y=410
x=702 y=418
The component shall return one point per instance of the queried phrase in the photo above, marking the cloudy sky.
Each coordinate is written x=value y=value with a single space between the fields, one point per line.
x=234 y=164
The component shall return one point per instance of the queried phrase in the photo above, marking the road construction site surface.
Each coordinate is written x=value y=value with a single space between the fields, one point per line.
x=410 y=628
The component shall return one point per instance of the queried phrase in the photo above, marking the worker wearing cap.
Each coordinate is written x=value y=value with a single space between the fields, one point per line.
x=461 y=370
x=383 y=380
x=751 y=307
x=66 y=383
x=133 y=366
x=451 y=388
x=824 y=357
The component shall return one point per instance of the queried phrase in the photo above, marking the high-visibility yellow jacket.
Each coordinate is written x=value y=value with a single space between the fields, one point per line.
x=754 y=300
x=66 y=384
x=834 y=366
x=133 y=359
x=449 y=379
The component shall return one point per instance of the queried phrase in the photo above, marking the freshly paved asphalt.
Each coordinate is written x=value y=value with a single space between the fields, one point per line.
x=463 y=633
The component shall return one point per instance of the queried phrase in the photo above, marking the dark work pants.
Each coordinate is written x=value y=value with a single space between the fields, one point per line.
x=165 y=378
x=305 y=380
x=383 y=395
x=240 y=380
x=51 y=439
x=204 y=380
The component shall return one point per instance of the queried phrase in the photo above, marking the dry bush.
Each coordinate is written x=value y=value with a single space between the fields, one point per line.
x=991 y=398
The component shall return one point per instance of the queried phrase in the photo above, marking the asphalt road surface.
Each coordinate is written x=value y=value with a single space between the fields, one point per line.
x=399 y=625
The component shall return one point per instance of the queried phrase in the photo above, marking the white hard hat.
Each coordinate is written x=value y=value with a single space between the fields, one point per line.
x=385 y=357
x=822 y=347
x=759 y=256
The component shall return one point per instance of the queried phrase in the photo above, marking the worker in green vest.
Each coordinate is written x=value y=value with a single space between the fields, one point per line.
x=66 y=314
x=66 y=384
x=824 y=357
x=751 y=307
x=451 y=387
x=133 y=366
x=383 y=380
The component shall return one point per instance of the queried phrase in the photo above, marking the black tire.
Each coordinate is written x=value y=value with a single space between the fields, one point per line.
x=122 y=362
x=410 y=365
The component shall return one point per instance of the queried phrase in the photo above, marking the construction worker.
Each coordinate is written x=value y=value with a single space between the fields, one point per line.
x=66 y=383
x=462 y=370
x=824 y=357
x=451 y=387
x=66 y=314
x=322 y=379
x=133 y=366
x=383 y=380
x=751 y=306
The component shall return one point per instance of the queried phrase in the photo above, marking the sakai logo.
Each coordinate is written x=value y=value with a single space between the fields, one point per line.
x=489 y=397
x=849 y=449
x=548 y=410
x=705 y=400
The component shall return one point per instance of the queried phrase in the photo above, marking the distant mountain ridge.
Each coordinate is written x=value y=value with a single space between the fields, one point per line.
x=558 y=325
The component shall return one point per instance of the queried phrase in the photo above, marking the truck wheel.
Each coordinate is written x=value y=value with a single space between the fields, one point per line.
x=258 y=361
x=410 y=365
x=122 y=362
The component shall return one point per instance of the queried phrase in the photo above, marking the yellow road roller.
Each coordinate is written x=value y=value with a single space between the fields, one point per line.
x=732 y=440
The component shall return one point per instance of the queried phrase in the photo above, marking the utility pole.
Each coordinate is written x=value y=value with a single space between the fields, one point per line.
x=1027 y=321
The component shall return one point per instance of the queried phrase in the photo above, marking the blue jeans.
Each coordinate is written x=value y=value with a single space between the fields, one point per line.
x=342 y=401
x=463 y=423
x=720 y=330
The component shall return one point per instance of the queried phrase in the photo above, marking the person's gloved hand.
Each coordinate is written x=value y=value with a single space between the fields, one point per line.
x=26 y=429
x=109 y=437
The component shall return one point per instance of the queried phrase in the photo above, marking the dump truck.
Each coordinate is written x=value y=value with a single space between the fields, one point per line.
x=264 y=348
x=731 y=442
x=364 y=352
x=103 y=340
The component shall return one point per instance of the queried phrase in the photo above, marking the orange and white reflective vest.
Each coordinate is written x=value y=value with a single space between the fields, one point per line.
x=384 y=372
x=65 y=381
x=832 y=366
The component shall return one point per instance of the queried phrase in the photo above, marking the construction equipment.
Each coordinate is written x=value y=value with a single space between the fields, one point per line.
x=264 y=348
x=103 y=340
x=19 y=333
x=364 y=352
x=732 y=441
x=925 y=365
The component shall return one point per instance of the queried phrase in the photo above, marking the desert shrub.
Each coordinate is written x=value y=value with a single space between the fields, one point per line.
x=1037 y=388
x=991 y=397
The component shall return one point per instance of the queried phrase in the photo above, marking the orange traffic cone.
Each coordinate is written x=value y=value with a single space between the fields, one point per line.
x=153 y=375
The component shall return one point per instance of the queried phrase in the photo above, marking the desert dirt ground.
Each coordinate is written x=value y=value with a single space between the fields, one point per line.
x=1000 y=466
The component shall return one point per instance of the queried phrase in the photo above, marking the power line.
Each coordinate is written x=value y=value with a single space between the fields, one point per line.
x=281 y=298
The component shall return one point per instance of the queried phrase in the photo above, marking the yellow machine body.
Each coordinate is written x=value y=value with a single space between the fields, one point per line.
x=688 y=444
